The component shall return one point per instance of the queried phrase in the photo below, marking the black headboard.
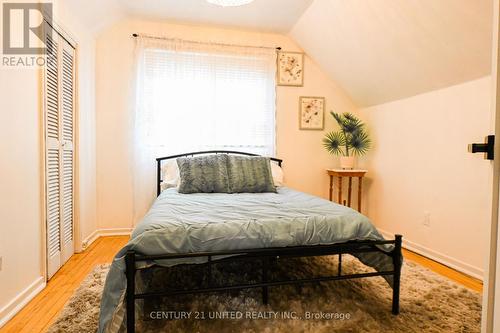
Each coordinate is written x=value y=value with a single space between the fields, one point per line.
x=160 y=159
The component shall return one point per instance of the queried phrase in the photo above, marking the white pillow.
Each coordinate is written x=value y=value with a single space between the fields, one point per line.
x=277 y=172
x=170 y=174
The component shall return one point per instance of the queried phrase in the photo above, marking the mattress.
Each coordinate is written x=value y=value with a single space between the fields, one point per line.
x=185 y=223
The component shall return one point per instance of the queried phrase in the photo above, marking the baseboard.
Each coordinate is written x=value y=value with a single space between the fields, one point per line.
x=115 y=232
x=456 y=264
x=20 y=301
x=104 y=232
x=90 y=239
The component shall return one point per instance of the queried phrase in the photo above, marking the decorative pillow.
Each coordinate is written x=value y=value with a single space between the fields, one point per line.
x=277 y=172
x=170 y=174
x=203 y=174
x=250 y=174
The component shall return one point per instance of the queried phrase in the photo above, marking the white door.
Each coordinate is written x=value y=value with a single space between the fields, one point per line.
x=59 y=153
x=491 y=295
x=67 y=152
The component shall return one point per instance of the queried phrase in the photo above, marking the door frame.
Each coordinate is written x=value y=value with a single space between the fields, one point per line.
x=77 y=246
x=490 y=320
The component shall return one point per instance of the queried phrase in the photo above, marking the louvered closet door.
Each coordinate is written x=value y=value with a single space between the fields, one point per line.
x=52 y=155
x=59 y=156
x=67 y=155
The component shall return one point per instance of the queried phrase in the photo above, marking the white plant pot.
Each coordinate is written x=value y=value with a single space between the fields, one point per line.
x=347 y=162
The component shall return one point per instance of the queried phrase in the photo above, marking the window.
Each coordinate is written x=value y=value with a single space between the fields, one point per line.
x=194 y=96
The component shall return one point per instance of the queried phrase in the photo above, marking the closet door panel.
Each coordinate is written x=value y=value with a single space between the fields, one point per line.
x=67 y=126
x=52 y=157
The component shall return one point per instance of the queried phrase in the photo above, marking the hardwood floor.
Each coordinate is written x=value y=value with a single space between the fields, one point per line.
x=39 y=314
x=446 y=271
x=43 y=309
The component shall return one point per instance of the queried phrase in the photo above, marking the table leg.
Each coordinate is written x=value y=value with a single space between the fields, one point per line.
x=360 y=185
x=340 y=190
x=349 y=192
x=331 y=187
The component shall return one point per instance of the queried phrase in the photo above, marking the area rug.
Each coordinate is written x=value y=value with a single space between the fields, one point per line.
x=429 y=302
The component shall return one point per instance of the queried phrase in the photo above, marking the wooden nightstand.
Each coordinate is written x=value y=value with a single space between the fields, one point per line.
x=341 y=173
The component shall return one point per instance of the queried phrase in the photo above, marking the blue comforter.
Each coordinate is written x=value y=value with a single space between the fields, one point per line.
x=183 y=223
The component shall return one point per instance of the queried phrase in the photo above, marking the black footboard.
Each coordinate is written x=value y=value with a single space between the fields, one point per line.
x=266 y=255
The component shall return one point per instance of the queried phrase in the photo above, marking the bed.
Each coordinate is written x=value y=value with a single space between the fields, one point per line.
x=203 y=228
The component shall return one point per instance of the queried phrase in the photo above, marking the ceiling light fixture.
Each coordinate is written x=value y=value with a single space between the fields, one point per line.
x=229 y=3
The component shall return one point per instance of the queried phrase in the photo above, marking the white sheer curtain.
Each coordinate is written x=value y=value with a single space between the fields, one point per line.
x=194 y=96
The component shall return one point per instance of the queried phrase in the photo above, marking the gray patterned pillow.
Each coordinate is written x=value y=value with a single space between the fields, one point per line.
x=203 y=174
x=250 y=174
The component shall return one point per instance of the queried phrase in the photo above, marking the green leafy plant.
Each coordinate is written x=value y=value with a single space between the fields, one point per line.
x=351 y=139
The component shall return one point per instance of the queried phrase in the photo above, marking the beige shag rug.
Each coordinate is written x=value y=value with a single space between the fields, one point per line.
x=429 y=302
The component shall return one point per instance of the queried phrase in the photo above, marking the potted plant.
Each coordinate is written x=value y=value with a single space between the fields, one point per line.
x=349 y=141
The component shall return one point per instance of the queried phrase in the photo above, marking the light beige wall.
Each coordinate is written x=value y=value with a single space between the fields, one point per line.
x=20 y=200
x=420 y=164
x=21 y=211
x=304 y=158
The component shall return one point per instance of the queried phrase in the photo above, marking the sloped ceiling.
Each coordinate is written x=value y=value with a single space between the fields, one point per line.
x=265 y=15
x=377 y=50
x=384 y=50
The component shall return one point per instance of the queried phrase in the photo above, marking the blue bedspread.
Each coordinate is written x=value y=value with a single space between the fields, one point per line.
x=183 y=223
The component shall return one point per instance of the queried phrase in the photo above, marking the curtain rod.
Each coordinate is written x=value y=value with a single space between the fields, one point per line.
x=198 y=42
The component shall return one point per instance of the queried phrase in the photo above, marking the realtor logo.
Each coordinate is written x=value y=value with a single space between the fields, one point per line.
x=23 y=27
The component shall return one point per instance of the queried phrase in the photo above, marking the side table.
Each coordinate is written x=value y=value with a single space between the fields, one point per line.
x=340 y=174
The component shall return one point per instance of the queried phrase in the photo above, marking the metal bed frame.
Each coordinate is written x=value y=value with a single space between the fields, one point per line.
x=266 y=255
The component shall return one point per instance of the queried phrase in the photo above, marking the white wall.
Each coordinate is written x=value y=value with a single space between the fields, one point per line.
x=305 y=160
x=420 y=164
x=21 y=211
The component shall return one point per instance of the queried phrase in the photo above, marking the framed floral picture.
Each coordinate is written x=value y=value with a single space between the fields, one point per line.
x=290 y=69
x=312 y=113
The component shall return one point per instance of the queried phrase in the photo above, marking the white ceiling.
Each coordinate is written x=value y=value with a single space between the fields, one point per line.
x=384 y=50
x=95 y=15
x=265 y=15
x=377 y=50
